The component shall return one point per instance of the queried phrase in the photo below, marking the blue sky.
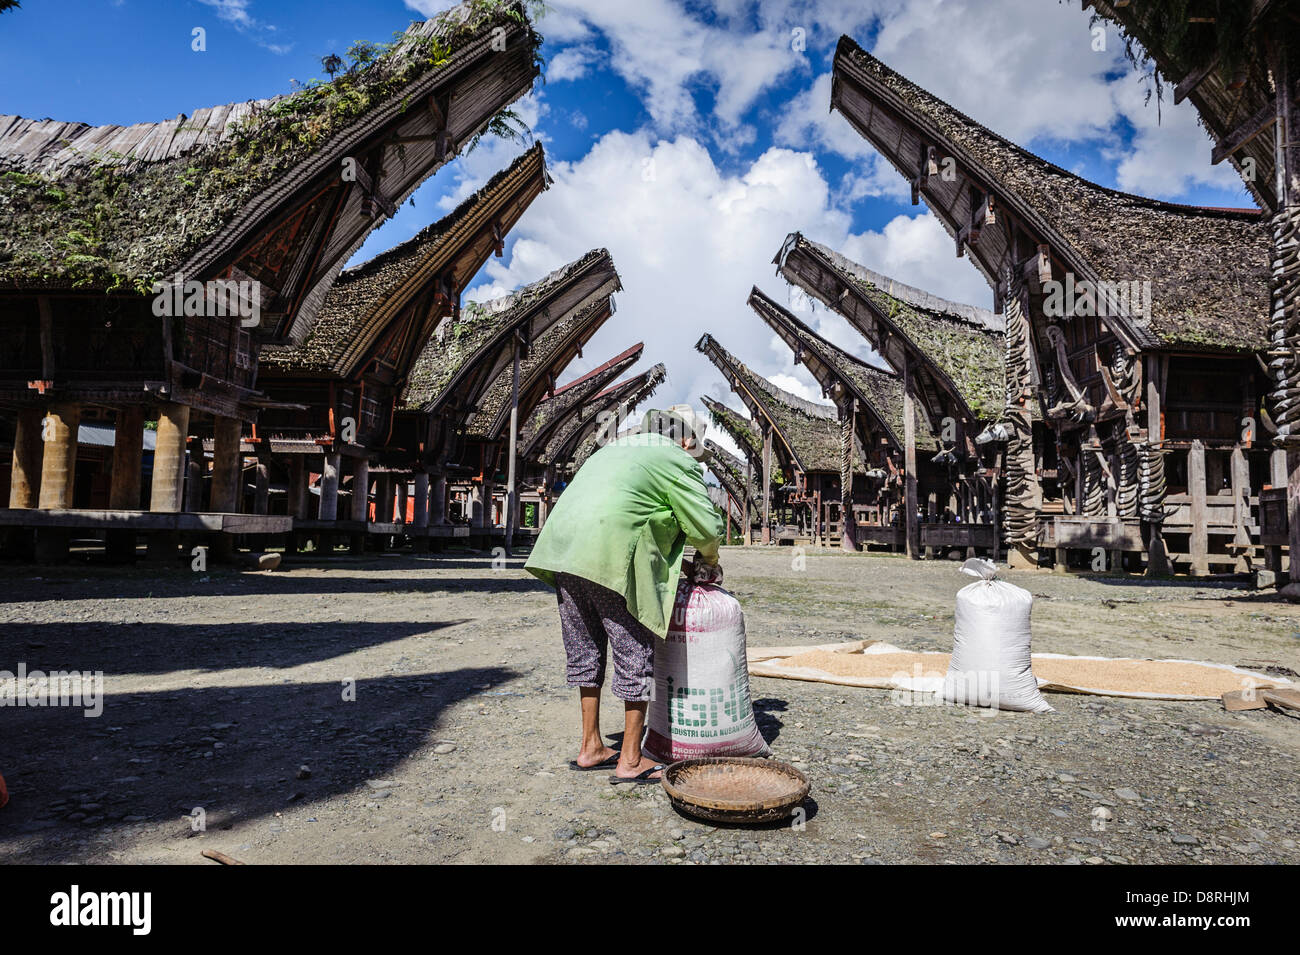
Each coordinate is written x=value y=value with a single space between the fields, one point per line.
x=686 y=137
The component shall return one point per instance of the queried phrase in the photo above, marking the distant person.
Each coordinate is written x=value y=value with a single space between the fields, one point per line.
x=612 y=549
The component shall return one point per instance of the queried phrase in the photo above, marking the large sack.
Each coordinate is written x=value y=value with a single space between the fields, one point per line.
x=701 y=703
x=990 y=654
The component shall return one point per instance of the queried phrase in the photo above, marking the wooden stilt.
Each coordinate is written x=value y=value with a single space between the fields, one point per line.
x=911 y=525
x=329 y=486
x=1200 y=541
x=25 y=479
x=128 y=457
x=767 y=485
x=226 y=465
x=59 y=455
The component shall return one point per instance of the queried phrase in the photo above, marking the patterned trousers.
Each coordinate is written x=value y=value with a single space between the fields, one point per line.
x=594 y=618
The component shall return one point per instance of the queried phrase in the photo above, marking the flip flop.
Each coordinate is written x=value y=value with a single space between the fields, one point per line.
x=640 y=780
x=607 y=763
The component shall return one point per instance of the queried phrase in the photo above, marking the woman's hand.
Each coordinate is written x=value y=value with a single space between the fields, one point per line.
x=705 y=573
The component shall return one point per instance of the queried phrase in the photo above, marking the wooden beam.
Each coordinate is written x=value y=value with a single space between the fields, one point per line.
x=1245 y=133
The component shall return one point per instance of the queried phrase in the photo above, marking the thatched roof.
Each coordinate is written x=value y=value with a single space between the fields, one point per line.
x=960 y=348
x=450 y=250
x=842 y=376
x=463 y=359
x=1227 y=95
x=569 y=403
x=112 y=207
x=741 y=430
x=1207 y=268
x=730 y=472
x=580 y=442
x=808 y=433
x=546 y=358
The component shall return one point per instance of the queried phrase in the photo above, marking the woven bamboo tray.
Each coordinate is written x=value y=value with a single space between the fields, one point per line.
x=735 y=789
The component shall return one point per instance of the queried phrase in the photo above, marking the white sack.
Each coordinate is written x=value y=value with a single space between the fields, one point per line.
x=701 y=704
x=990 y=654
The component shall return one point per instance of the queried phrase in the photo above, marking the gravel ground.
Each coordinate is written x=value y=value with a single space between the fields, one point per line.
x=404 y=709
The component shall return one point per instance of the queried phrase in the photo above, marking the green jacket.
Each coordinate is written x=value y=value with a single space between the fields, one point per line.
x=624 y=521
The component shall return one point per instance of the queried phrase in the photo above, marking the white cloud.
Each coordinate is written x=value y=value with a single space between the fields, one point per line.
x=690 y=240
x=571 y=63
x=236 y=13
x=1170 y=152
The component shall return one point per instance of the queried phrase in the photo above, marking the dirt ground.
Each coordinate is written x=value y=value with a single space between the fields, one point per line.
x=413 y=709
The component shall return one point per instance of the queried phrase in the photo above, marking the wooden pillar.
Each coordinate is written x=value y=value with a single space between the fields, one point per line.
x=438 y=501
x=262 y=491
x=169 y=458
x=360 y=490
x=383 y=499
x=128 y=457
x=25 y=481
x=1200 y=539
x=767 y=484
x=403 y=496
x=329 y=486
x=848 y=448
x=59 y=455
x=422 y=500
x=1240 y=474
x=749 y=478
x=192 y=493
x=226 y=465
x=512 y=490
x=911 y=526
x=297 y=490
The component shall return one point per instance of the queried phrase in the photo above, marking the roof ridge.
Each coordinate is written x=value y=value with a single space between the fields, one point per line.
x=786 y=315
x=774 y=391
x=981 y=318
x=850 y=47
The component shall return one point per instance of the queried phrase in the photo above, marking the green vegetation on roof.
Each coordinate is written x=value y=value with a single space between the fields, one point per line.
x=120 y=226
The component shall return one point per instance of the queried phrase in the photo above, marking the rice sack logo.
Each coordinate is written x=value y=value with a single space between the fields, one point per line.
x=75 y=908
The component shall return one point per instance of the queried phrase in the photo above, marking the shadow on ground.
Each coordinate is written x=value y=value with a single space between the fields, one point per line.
x=233 y=751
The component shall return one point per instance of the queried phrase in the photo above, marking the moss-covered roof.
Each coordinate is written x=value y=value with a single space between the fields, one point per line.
x=730 y=472
x=1208 y=268
x=363 y=291
x=741 y=429
x=597 y=412
x=810 y=431
x=111 y=207
x=879 y=391
x=570 y=404
x=624 y=397
x=547 y=357
x=967 y=345
x=480 y=334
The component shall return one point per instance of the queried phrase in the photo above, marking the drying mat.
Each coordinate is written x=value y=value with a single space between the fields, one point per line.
x=873 y=663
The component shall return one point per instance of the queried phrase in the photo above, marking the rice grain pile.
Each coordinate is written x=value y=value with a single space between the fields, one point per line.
x=1116 y=676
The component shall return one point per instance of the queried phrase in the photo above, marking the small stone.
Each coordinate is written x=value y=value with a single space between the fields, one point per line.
x=1181 y=839
x=1035 y=842
x=1127 y=795
x=303 y=773
x=1067 y=778
x=444 y=748
x=938 y=835
x=1102 y=813
x=672 y=852
x=676 y=835
x=380 y=783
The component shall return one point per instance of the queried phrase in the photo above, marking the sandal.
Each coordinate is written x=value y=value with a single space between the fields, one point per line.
x=643 y=779
x=608 y=762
